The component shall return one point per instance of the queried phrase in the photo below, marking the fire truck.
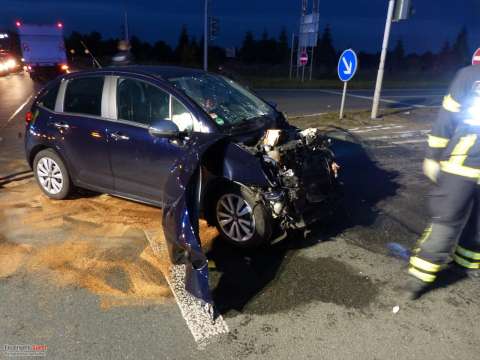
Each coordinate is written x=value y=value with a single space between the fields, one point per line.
x=43 y=50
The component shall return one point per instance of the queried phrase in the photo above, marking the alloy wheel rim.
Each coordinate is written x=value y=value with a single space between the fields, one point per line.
x=50 y=175
x=235 y=217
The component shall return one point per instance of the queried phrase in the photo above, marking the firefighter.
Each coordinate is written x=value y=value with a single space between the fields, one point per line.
x=453 y=162
x=123 y=57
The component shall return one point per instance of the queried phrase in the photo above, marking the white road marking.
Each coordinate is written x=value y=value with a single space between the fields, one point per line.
x=413 y=141
x=307 y=115
x=377 y=129
x=20 y=108
x=371 y=98
x=355 y=90
x=414 y=96
x=370 y=127
x=195 y=313
x=399 y=135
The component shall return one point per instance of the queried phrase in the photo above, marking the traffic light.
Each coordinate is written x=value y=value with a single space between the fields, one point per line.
x=214 y=28
x=403 y=10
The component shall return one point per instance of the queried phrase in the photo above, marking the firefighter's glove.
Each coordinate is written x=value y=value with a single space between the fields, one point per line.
x=431 y=168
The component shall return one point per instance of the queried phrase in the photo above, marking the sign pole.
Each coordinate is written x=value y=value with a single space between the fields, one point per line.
x=311 y=64
x=343 y=99
x=303 y=73
x=347 y=68
x=381 y=69
x=291 y=56
x=205 y=38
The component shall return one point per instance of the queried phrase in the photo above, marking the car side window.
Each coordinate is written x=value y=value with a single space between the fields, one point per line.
x=84 y=96
x=49 y=98
x=141 y=102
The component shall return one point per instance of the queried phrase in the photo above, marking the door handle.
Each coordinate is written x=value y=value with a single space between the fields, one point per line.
x=119 y=136
x=61 y=125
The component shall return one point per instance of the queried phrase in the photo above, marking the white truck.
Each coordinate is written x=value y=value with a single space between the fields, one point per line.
x=43 y=50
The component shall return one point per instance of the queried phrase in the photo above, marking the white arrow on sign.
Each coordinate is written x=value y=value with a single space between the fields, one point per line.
x=348 y=67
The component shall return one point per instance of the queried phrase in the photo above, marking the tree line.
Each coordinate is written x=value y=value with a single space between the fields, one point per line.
x=271 y=52
x=187 y=52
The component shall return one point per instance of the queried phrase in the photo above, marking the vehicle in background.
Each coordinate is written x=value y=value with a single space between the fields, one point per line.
x=8 y=63
x=43 y=50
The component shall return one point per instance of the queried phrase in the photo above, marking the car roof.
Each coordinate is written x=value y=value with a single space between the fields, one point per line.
x=164 y=72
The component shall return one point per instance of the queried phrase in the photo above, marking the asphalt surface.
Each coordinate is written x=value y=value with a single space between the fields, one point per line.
x=79 y=276
x=307 y=102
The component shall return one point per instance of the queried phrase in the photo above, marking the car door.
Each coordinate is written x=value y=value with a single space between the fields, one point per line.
x=141 y=163
x=81 y=123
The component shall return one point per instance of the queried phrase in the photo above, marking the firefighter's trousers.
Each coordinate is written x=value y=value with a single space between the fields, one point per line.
x=454 y=231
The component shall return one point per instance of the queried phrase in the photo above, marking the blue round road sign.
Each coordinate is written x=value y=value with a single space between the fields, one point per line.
x=347 y=65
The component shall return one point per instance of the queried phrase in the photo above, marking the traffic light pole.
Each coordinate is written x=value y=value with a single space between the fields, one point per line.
x=291 y=56
x=381 y=69
x=205 y=38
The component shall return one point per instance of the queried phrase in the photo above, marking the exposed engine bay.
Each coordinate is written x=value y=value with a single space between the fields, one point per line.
x=302 y=174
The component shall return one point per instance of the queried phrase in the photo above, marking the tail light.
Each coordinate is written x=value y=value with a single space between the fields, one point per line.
x=28 y=117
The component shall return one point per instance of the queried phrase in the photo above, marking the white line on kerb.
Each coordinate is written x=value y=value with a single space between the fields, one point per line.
x=194 y=312
x=331 y=92
x=307 y=115
x=414 y=141
x=20 y=108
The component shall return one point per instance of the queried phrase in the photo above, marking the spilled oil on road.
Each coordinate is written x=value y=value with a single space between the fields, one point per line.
x=93 y=242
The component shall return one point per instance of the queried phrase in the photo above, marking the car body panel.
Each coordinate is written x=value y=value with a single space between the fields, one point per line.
x=90 y=167
x=232 y=162
x=125 y=159
x=181 y=212
x=141 y=162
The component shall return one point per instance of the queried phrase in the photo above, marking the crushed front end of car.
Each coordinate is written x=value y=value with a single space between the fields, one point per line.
x=302 y=175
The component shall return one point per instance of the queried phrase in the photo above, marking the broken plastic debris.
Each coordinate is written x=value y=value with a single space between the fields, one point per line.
x=396 y=309
x=309 y=132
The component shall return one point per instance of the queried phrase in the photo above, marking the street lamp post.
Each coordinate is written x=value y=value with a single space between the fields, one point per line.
x=381 y=69
x=205 y=38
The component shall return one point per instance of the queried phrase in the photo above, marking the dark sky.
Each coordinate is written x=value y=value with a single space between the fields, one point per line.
x=355 y=23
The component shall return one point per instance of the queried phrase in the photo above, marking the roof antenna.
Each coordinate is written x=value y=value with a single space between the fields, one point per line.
x=87 y=51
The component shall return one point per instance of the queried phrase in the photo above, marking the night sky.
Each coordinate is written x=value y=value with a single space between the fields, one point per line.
x=355 y=23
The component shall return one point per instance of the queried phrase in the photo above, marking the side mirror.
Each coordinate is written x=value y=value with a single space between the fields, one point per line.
x=164 y=128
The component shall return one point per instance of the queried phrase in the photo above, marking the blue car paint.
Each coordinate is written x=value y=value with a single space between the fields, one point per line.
x=181 y=212
x=242 y=167
x=89 y=144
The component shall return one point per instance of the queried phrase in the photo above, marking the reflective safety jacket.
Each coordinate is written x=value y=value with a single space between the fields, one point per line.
x=454 y=142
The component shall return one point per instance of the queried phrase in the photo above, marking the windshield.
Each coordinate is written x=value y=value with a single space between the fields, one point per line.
x=225 y=101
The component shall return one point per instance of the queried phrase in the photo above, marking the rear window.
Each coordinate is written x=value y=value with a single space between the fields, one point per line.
x=84 y=96
x=49 y=98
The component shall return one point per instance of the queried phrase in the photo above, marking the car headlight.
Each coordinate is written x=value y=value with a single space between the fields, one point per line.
x=11 y=63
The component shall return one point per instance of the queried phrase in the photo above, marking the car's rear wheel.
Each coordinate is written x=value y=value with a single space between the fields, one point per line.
x=240 y=219
x=51 y=174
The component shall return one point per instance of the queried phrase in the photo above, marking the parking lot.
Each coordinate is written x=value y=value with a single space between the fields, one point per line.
x=89 y=276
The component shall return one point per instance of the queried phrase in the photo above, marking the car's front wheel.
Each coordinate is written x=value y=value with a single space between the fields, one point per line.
x=241 y=219
x=51 y=174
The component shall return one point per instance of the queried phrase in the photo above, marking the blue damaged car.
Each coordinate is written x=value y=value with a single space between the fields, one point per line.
x=191 y=142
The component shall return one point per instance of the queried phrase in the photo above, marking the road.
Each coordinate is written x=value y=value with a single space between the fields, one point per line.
x=297 y=102
x=80 y=277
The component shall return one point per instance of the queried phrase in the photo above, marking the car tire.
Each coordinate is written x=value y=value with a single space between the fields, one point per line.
x=52 y=175
x=241 y=219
